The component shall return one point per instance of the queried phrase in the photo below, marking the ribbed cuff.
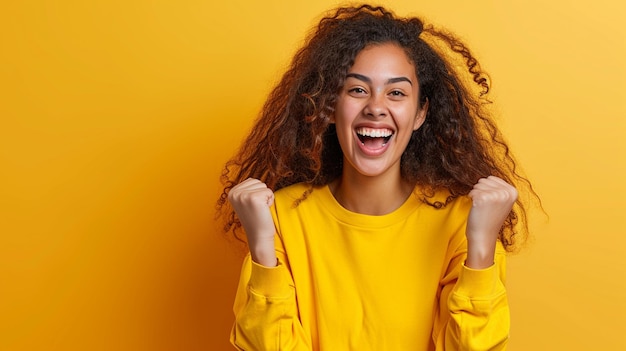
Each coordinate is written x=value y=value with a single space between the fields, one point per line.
x=270 y=281
x=478 y=283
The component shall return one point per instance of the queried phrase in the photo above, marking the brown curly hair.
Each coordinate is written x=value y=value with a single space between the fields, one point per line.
x=293 y=140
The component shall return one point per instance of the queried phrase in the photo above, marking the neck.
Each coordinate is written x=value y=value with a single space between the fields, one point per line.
x=378 y=195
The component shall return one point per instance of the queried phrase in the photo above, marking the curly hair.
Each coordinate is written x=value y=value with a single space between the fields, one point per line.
x=294 y=141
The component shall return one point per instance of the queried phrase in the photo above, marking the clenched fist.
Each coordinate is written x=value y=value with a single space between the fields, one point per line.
x=492 y=201
x=251 y=200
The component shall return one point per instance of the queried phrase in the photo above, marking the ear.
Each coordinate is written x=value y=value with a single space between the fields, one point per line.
x=421 y=116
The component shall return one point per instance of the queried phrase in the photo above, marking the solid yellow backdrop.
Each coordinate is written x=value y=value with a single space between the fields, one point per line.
x=117 y=116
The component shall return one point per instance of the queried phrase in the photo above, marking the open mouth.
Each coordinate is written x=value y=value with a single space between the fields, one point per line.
x=374 y=138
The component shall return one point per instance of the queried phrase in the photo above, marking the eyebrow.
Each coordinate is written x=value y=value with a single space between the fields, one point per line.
x=368 y=80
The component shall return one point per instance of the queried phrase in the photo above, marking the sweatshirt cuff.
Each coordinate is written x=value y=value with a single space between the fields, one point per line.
x=478 y=283
x=270 y=281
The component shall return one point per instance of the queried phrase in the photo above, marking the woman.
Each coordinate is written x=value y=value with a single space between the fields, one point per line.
x=375 y=194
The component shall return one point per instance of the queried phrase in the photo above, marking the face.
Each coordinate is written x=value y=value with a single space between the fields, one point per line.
x=377 y=110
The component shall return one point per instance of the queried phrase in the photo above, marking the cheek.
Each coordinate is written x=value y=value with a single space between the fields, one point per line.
x=344 y=113
x=406 y=115
x=343 y=129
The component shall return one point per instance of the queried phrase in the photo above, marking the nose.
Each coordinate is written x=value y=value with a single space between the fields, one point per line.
x=376 y=106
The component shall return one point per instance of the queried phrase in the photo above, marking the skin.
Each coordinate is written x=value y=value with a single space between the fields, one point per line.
x=381 y=92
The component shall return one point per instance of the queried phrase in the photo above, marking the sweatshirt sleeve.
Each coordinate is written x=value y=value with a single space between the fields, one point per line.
x=266 y=313
x=473 y=311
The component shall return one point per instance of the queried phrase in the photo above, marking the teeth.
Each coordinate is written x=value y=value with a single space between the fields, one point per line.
x=374 y=133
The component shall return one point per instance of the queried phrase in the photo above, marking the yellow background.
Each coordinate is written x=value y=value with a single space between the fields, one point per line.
x=117 y=116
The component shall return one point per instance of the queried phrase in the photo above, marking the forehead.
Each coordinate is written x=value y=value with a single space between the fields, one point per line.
x=387 y=58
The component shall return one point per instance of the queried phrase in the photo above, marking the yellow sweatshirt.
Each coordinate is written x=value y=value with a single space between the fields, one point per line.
x=348 y=281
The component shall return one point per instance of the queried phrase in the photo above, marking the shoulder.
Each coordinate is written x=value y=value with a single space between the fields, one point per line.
x=297 y=204
x=294 y=195
x=461 y=205
x=442 y=201
x=293 y=192
x=443 y=213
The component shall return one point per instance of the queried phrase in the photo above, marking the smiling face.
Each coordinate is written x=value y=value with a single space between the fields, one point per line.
x=377 y=111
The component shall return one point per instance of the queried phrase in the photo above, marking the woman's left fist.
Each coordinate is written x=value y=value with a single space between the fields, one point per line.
x=492 y=201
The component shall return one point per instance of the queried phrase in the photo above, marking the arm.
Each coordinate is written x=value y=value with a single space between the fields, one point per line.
x=473 y=309
x=266 y=312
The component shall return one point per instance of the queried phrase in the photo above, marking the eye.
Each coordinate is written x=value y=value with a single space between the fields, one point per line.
x=357 y=91
x=397 y=93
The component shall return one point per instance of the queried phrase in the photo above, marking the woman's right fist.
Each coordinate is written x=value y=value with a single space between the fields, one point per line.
x=251 y=200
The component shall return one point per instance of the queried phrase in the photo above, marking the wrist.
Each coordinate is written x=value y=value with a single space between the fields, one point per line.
x=264 y=259
x=263 y=252
x=480 y=255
